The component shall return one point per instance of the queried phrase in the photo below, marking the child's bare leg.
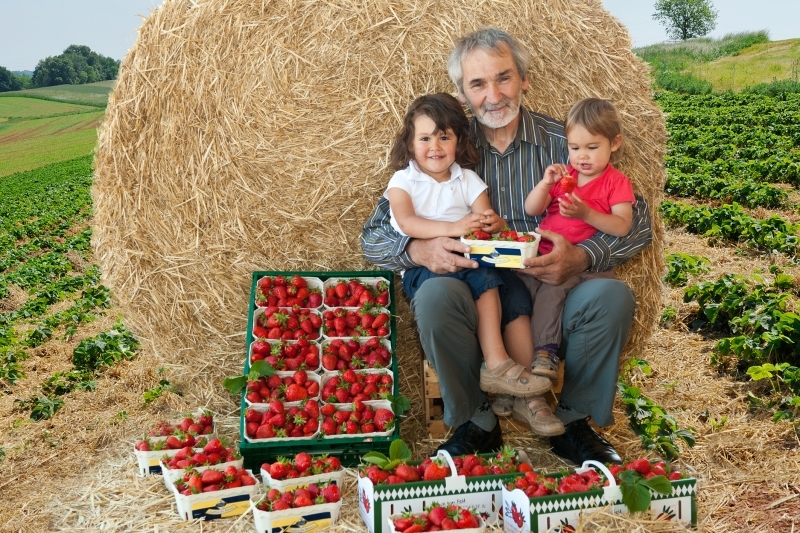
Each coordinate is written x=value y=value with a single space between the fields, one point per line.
x=489 y=336
x=502 y=374
x=517 y=340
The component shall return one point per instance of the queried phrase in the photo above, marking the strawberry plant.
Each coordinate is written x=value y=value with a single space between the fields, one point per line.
x=680 y=266
x=784 y=380
x=105 y=349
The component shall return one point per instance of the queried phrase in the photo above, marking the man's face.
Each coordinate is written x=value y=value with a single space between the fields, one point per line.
x=492 y=87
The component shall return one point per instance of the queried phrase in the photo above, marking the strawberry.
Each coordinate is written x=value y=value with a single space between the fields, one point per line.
x=331 y=493
x=437 y=514
x=435 y=471
x=406 y=472
x=568 y=183
x=640 y=465
x=478 y=235
x=384 y=419
x=466 y=519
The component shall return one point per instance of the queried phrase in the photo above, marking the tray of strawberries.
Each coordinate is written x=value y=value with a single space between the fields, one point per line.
x=338 y=328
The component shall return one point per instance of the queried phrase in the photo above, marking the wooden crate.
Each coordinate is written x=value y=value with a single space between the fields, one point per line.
x=434 y=406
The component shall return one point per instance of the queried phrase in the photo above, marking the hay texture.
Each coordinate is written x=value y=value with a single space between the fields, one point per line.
x=254 y=135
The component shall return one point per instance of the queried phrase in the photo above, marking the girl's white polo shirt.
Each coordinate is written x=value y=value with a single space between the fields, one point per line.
x=448 y=201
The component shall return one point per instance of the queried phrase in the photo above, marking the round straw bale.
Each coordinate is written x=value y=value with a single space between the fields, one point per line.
x=254 y=135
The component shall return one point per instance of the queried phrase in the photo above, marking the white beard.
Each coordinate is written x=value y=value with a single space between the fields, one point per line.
x=495 y=121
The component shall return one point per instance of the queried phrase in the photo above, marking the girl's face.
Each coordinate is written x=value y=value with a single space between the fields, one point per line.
x=434 y=151
x=589 y=154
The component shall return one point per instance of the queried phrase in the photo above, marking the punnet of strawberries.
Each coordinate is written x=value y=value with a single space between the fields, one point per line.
x=279 y=421
x=312 y=494
x=286 y=355
x=167 y=436
x=350 y=385
x=365 y=321
x=278 y=291
x=437 y=517
x=340 y=354
x=355 y=292
x=290 y=387
x=287 y=323
x=535 y=485
x=210 y=480
x=213 y=453
x=396 y=468
x=506 y=234
x=360 y=418
x=303 y=465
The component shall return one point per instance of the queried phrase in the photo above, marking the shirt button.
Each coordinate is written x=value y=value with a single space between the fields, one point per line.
x=503 y=189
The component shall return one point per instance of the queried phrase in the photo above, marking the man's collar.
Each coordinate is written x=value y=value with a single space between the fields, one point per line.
x=527 y=130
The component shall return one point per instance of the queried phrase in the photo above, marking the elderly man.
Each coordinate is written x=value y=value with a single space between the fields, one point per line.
x=490 y=70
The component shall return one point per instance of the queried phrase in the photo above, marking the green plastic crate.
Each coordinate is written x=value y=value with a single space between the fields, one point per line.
x=348 y=449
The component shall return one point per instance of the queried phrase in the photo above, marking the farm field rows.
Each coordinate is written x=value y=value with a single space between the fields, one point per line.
x=92 y=94
x=29 y=144
x=78 y=393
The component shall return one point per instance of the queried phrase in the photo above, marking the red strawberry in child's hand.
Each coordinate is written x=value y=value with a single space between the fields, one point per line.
x=568 y=183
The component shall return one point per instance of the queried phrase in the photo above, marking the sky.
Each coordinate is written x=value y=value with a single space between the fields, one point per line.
x=31 y=30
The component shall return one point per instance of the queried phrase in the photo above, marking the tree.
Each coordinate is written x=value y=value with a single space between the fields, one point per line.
x=78 y=64
x=685 y=19
x=9 y=81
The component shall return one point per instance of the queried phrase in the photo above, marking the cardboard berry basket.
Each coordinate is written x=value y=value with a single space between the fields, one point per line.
x=366 y=278
x=480 y=529
x=291 y=484
x=312 y=283
x=217 y=504
x=502 y=254
x=311 y=518
x=171 y=475
x=348 y=449
x=328 y=375
x=312 y=375
x=262 y=408
x=329 y=338
x=538 y=515
x=150 y=462
x=484 y=493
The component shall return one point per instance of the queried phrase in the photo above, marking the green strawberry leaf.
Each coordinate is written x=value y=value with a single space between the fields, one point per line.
x=235 y=384
x=376 y=458
x=399 y=450
x=659 y=484
x=399 y=405
x=262 y=368
x=391 y=464
x=635 y=496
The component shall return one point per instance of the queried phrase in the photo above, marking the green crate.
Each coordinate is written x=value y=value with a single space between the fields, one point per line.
x=348 y=449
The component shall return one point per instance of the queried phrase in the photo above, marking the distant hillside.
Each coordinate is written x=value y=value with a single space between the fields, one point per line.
x=28 y=73
x=760 y=63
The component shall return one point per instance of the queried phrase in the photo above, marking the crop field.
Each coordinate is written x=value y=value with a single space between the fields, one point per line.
x=717 y=389
x=29 y=144
x=18 y=107
x=92 y=94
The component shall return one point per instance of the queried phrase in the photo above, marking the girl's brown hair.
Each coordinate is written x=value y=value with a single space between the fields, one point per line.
x=446 y=112
x=598 y=116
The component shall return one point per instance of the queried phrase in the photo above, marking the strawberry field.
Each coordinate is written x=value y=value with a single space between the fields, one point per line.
x=716 y=392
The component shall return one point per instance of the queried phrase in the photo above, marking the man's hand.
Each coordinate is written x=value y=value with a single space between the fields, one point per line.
x=440 y=255
x=563 y=261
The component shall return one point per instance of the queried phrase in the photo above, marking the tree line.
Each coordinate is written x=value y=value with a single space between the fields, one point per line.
x=77 y=64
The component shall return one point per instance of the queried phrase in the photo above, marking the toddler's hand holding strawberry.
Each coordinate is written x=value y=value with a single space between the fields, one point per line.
x=467 y=224
x=492 y=222
x=553 y=173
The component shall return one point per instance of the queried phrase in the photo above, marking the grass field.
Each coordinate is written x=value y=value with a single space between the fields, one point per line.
x=761 y=63
x=93 y=94
x=28 y=144
x=20 y=107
